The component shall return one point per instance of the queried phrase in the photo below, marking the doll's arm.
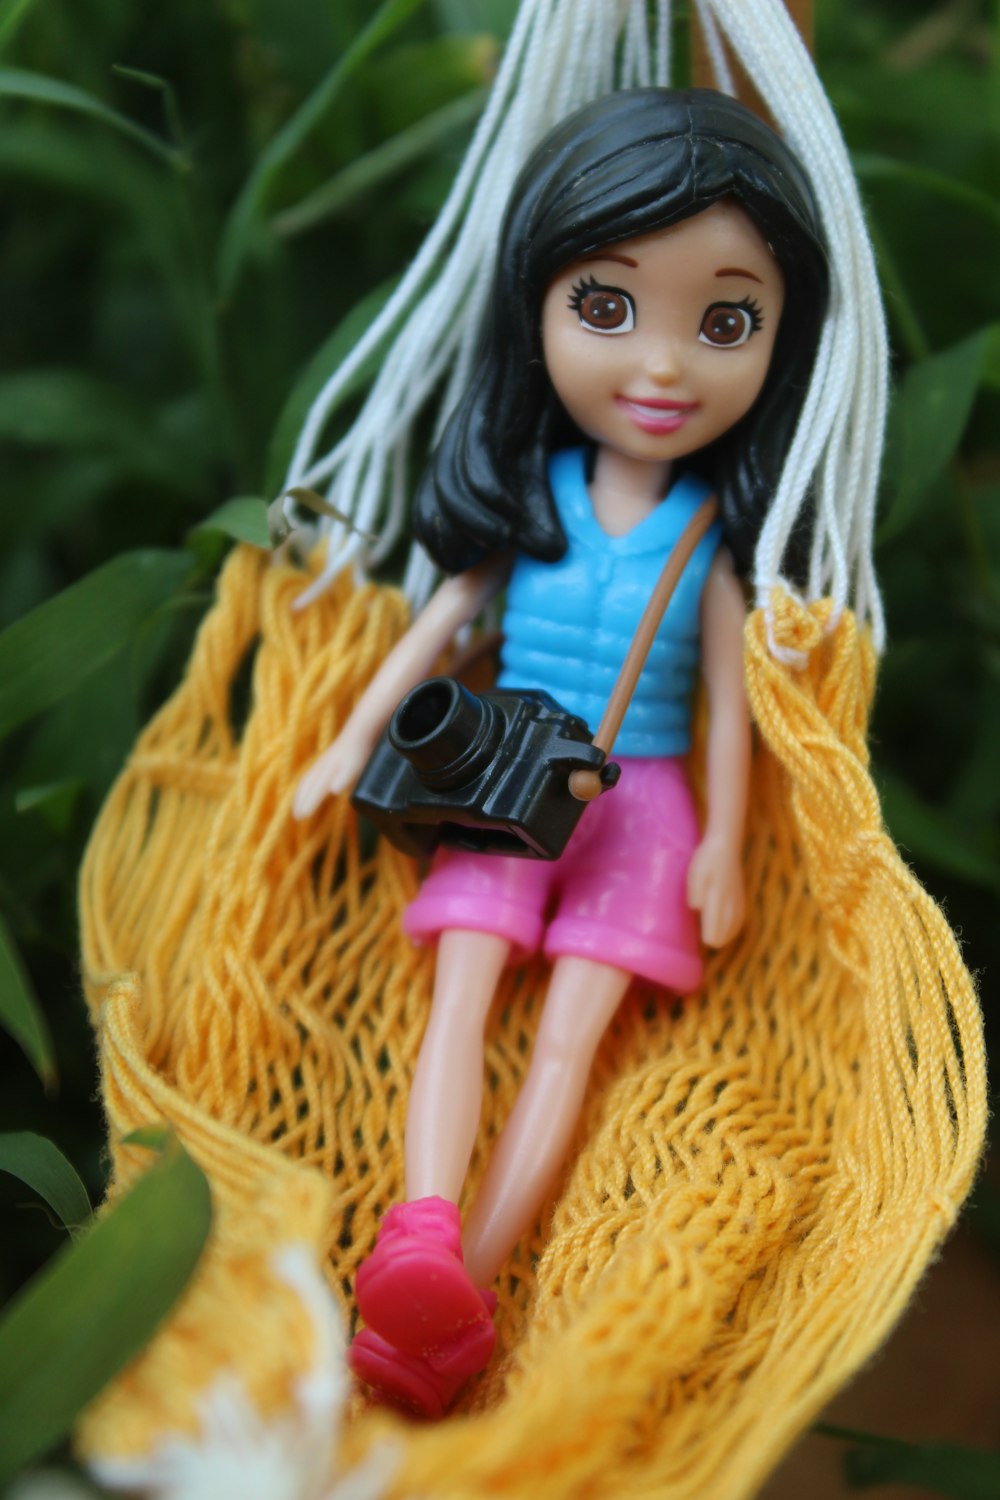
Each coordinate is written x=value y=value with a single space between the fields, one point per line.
x=455 y=603
x=715 y=877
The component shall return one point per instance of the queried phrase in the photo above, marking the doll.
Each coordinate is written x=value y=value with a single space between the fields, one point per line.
x=658 y=297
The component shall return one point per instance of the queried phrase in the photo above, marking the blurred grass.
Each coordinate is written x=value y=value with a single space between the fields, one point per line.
x=195 y=199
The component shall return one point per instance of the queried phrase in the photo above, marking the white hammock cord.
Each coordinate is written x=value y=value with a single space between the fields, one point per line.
x=495 y=106
x=662 y=46
x=852 y=384
x=355 y=489
x=716 y=51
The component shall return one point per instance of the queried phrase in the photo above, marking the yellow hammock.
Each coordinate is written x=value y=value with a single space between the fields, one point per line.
x=762 y=1170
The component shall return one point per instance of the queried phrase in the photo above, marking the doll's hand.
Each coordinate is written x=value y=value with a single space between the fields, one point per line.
x=336 y=770
x=715 y=888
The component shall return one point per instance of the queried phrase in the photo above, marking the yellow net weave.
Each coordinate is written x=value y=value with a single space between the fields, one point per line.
x=762 y=1170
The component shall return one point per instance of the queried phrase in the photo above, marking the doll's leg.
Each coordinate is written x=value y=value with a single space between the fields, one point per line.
x=583 y=996
x=414 y=1291
x=447 y=1093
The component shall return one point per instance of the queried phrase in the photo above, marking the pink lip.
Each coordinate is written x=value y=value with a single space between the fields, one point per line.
x=645 y=413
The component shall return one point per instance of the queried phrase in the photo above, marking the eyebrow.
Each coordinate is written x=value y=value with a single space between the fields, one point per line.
x=739 y=271
x=623 y=260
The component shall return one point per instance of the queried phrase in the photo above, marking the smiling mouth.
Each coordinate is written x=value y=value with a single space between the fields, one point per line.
x=656 y=415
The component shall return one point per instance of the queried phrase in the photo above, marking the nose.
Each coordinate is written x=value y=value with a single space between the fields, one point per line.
x=662 y=364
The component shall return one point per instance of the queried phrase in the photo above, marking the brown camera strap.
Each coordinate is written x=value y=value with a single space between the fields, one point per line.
x=586 y=785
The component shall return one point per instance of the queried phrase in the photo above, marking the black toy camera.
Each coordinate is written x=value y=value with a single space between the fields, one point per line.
x=488 y=773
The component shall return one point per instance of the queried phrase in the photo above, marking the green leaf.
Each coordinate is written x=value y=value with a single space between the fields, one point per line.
x=877 y=102
x=152 y=1137
x=45 y=655
x=489 y=15
x=70 y=409
x=309 y=384
x=991 y=358
x=17 y=83
x=168 y=94
x=76 y=748
x=415 y=79
x=67 y=488
x=12 y=13
x=907 y=330
x=244 y=519
x=926 y=424
x=872 y=167
x=943 y=1468
x=20 y=1013
x=929 y=834
x=105 y=169
x=95 y=1305
x=40 y=1164
x=974 y=793
x=377 y=167
x=55 y=801
x=244 y=220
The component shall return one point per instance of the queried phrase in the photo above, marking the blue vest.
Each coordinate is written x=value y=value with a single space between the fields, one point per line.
x=568 y=624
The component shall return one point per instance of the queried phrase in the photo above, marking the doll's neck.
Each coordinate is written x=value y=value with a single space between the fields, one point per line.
x=623 y=490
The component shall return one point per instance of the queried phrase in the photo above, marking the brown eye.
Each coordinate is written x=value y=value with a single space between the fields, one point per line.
x=726 y=325
x=603 y=309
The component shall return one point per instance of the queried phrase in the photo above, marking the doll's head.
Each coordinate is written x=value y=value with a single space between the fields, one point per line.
x=627 y=165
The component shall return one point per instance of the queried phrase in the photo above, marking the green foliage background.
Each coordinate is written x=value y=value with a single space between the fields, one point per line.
x=194 y=197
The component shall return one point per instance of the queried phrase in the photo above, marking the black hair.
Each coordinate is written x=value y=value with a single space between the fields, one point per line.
x=627 y=164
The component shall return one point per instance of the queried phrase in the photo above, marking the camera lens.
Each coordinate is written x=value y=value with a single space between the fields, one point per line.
x=448 y=734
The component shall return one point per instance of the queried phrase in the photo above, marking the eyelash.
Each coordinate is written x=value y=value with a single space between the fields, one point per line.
x=582 y=287
x=752 y=306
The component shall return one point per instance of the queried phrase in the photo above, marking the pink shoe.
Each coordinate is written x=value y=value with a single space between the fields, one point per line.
x=427 y=1386
x=402 y=1380
x=414 y=1290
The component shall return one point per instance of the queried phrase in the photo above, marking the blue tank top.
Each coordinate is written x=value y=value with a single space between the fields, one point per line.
x=568 y=624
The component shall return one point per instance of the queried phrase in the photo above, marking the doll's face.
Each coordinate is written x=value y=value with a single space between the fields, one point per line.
x=657 y=345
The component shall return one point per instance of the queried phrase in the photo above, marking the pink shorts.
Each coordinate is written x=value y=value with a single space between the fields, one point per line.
x=618 y=893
